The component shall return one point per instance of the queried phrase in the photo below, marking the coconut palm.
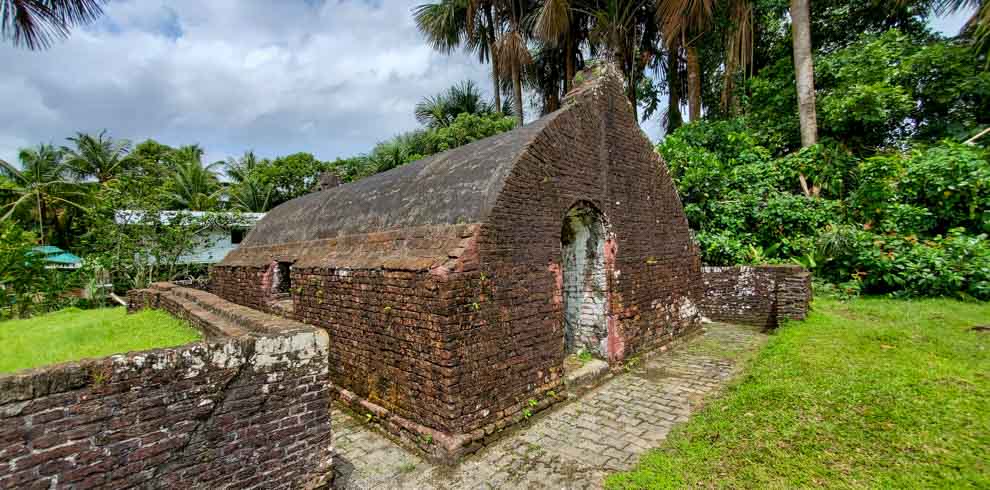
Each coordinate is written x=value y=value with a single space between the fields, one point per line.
x=42 y=187
x=250 y=195
x=99 y=157
x=485 y=23
x=804 y=78
x=34 y=24
x=513 y=53
x=440 y=110
x=193 y=186
x=977 y=27
x=239 y=169
x=451 y=24
x=557 y=23
x=682 y=23
x=619 y=27
x=738 y=49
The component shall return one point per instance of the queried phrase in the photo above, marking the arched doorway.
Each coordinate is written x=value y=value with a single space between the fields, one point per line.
x=585 y=295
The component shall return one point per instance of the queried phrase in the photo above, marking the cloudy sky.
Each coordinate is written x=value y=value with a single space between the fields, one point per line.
x=331 y=78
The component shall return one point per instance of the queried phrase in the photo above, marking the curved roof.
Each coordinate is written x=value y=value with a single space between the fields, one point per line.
x=454 y=187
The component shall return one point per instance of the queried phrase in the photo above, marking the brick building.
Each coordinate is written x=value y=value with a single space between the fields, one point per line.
x=454 y=287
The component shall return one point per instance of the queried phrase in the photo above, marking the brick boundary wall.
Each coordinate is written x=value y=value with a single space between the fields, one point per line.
x=760 y=295
x=247 y=409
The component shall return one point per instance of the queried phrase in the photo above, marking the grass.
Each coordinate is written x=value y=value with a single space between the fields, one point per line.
x=874 y=393
x=73 y=334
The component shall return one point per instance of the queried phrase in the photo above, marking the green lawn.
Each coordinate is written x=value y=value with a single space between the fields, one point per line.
x=872 y=393
x=76 y=334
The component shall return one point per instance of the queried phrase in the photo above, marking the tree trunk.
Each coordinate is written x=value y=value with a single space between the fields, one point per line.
x=517 y=92
x=569 y=62
x=632 y=88
x=633 y=67
x=496 y=80
x=694 y=84
x=804 y=78
x=804 y=71
x=674 y=118
x=496 y=84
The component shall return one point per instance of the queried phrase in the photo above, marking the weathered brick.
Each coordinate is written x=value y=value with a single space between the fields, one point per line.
x=151 y=417
x=442 y=283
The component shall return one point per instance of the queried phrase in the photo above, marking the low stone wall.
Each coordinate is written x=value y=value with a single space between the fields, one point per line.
x=761 y=296
x=247 y=411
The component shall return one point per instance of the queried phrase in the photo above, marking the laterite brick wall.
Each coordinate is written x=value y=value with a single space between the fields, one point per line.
x=389 y=343
x=251 y=286
x=592 y=152
x=457 y=323
x=761 y=295
x=246 y=412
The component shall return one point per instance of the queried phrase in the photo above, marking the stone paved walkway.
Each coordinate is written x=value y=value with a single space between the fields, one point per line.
x=569 y=446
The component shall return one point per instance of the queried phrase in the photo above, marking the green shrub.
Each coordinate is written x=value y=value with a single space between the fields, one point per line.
x=952 y=180
x=957 y=264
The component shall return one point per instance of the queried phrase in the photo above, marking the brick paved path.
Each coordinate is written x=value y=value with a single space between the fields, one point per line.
x=570 y=446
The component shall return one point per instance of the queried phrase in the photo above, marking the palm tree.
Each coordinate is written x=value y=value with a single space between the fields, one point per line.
x=682 y=23
x=251 y=196
x=240 y=169
x=99 y=157
x=673 y=119
x=440 y=110
x=804 y=78
x=489 y=32
x=977 y=27
x=513 y=53
x=193 y=186
x=36 y=23
x=450 y=23
x=42 y=185
x=617 y=26
x=557 y=23
x=738 y=49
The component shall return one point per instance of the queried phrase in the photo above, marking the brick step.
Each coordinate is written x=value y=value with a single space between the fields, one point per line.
x=246 y=318
x=214 y=326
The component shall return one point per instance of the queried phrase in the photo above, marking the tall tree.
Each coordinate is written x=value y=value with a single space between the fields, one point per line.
x=557 y=23
x=193 y=186
x=738 y=43
x=252 y=196
x=452 y=24
x=513 y=52
x=618 y=28
x=673 y=118
x=683 y=22
x=483 y=29
x=240 y=169
x=977 y=27
x=804 y=76
x=42 y=187
x=99 y=157
x=440 y=110
x=34 y=24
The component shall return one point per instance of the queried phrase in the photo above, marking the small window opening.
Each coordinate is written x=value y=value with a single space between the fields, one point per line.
x=282 y=282
x=236 y=235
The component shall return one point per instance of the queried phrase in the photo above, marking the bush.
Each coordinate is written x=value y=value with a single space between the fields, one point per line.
x=26 y=286
x=957 y=264
x=952 y=181
x=909 y=223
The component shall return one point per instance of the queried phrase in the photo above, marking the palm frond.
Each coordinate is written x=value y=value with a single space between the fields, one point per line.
x=552 y=20
x=35 y=24
x=512 y=49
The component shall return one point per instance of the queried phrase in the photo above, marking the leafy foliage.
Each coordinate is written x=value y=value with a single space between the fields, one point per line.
x=911 y=222
x=880 y=92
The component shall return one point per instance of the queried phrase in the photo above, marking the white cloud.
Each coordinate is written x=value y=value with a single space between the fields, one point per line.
x=331 y=78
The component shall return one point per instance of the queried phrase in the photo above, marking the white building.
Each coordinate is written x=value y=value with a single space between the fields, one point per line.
x=218 y=234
